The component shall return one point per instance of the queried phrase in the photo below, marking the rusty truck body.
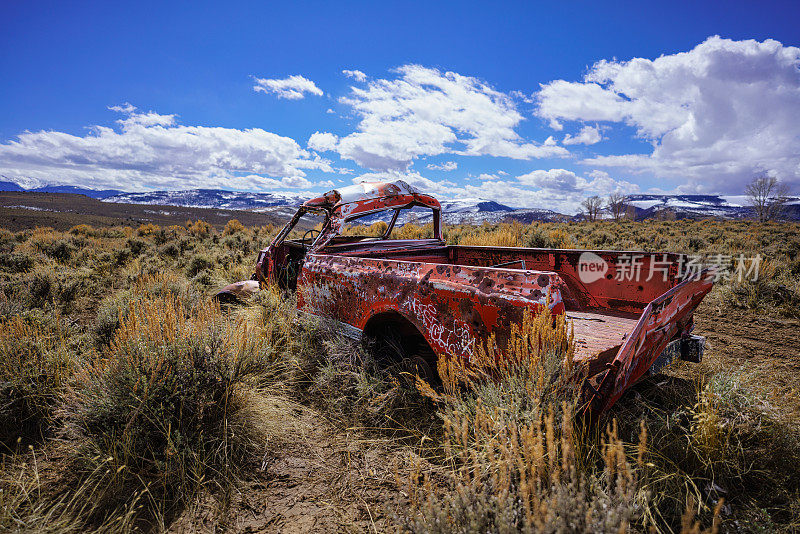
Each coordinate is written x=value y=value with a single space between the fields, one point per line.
x=444 y=299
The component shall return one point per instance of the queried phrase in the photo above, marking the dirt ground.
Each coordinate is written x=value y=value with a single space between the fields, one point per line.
x=767 y=347
x=336 y=480
x=325 y=481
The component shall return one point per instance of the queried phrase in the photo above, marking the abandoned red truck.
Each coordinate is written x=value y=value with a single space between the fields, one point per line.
x=630 y=311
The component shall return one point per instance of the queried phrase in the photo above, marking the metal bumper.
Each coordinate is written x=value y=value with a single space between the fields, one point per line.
x=688 y=348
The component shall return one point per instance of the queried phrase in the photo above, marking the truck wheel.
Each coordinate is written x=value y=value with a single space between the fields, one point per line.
x=419 y=366
x=409 y=354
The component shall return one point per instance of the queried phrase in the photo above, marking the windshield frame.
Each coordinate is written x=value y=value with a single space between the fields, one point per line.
x=302 y=210
x=334 y=223
x=338 y=222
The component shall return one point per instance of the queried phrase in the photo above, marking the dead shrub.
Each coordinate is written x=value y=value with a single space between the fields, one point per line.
x=84 y=230
x=774 y=289
x=198 y=263
x=60 y=250
x=7 y=241
x=16 y=262
x=115 y=307
x=148 y=229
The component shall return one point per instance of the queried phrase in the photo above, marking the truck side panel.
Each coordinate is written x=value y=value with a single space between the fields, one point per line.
x=452 y=306
x=615 y=291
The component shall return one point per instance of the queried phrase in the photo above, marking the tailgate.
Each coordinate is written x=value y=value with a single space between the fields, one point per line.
x=666 y=318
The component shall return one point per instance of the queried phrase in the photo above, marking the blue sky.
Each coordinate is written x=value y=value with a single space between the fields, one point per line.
x=525 y=103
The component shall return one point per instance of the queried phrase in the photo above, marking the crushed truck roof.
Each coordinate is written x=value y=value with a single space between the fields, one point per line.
x=367 y=197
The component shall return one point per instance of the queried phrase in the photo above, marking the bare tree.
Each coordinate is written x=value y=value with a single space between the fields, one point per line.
x=592 y=207
x=616 y=203
x=768 y=197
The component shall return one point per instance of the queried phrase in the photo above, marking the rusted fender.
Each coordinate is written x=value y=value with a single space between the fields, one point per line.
x=238 y=290
x=666 y=318
x=452 y=306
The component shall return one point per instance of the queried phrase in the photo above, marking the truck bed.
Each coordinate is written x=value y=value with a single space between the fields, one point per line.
x=612 y=293
x=598 y=331
x=603 y=317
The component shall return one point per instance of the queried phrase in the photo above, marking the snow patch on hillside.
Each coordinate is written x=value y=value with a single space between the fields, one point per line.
x=464 y=210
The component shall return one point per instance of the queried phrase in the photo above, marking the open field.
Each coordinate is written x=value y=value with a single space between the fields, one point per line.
x=62 y=211
x=131 y=402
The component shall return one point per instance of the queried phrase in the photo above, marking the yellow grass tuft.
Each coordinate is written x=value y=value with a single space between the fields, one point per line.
x=233 y=227
x=148 y=229
x=540 y=348
x=199 y=228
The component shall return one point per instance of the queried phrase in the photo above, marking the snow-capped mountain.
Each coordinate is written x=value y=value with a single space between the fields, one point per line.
x=465 y=210
x=471 y=211
x=10 y=185
x=688 y=206
x=702 y=206
x=478 y=210
x=462 y=211
x=211 y=198
x=455 y=211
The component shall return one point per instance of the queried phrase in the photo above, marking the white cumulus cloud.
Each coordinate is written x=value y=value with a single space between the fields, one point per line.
x=292 y=88
x=588 y=135
x=447 y=166
x=357 y=75
x=716 y=115
x=150 y=150
x=322 y=141
x=127 y=107
x=564 y=181
x=555 y=179
x=425 y=112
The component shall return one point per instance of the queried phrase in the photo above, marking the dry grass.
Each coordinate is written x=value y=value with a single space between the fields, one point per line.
x=540 y=352
x=36 y=366
x=518 y=460
x=140 y=394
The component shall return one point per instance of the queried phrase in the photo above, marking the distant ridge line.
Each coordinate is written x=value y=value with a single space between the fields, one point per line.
x=463 y=211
